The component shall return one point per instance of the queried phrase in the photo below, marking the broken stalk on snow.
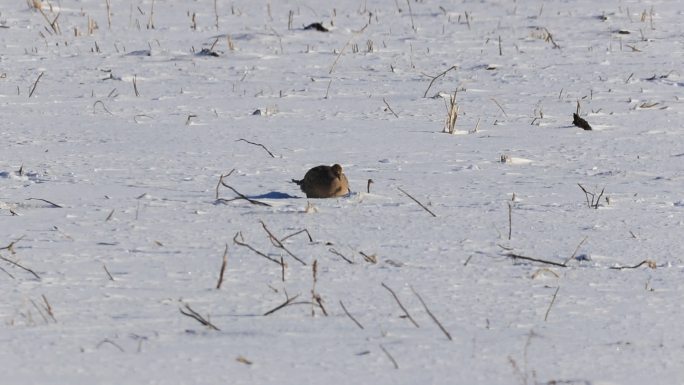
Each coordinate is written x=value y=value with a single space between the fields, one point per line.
x=390 y=108
x=195 y=315
x=416 y=200
x=35 y=84
x=297 y=233
x=257 y=144
x=243 y=244
x=439 y=324
x=370 y=182
x=349 y=261
x=239 y=194
x=223 y=267
x=276 y=242
x=594 y=203
x=517 y=256
x=288 y=301
x=435 y=78
x=107 y=271
x=350 y=316
x=11 y=262
x=394 y=362
x=650 y=263
x=576 y=250
x=315 y=297
x=546 y=316
x=406 y=313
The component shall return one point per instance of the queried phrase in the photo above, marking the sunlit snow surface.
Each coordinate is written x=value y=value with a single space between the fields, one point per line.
x=135 y=178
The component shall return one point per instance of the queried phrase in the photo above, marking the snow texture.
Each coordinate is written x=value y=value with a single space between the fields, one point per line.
x=114 y=137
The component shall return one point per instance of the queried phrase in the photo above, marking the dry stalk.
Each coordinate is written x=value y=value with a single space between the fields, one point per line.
x=439 y=324
x=648 y=262
x=257 y=144
x=416 y=200
x=221 y=181
x=390 y=108
x=452 y=114
x=55 y=205
x=501 y=108
x=242 y=243
x=546 y=316
x=349 y=261
x=406 y=313
x=35 y=84
x=517 y=256
x=239 y=194
x=10 y=247
x=350 y=316
x=13 y=263
x=394 y=362
x=276 y=242
x=223 y=267
x=109 y=275
x=576 y=250
x=48 y=308
x=195 y=315
x=288 y=301
x=135 y=83
x=434 y=78
x=297 y=233
x=370 y=182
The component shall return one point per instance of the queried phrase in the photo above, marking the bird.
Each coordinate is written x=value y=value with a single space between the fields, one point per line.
x=324 y=182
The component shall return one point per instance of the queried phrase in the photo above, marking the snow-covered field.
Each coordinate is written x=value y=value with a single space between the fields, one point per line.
x=127 y=125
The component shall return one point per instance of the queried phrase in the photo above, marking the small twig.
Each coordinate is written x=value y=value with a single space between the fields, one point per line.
x=647 y=262
x=257 y=144
x=11 y=262
x=517 y=256
x=400 y=304
x=239 y=196
x=107 y=271
x=499 y=105
x=546 y=316
x=435 y=78
x=103 y=106
x=394 y=362
x=7 y=272
x=108 y=341
x=10 y=247
x=55 y=205
x=48 y=308
x=372 y=258
x=243 y=244
x=416 y=200
x=223 y=267
x=278 y=244
x=297 y=233
x=110 y=216
x=332 y=67
x=349 y=261
x=510 y=220
x=446 y=333
x=288 y=301
x=370 y=182
x=390 y=108
x=35 y=84
x=193 y=314
x=576 y=250
x=413 y=27
x=350 y=316
x=221 y=181
x=135 y=80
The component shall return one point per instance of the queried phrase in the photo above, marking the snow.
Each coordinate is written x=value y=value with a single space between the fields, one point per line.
x=96 y=181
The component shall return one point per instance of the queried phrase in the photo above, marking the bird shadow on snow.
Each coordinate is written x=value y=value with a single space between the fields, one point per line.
x=273 y=195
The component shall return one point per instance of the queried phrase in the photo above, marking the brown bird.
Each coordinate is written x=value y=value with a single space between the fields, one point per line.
x=324 y=182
